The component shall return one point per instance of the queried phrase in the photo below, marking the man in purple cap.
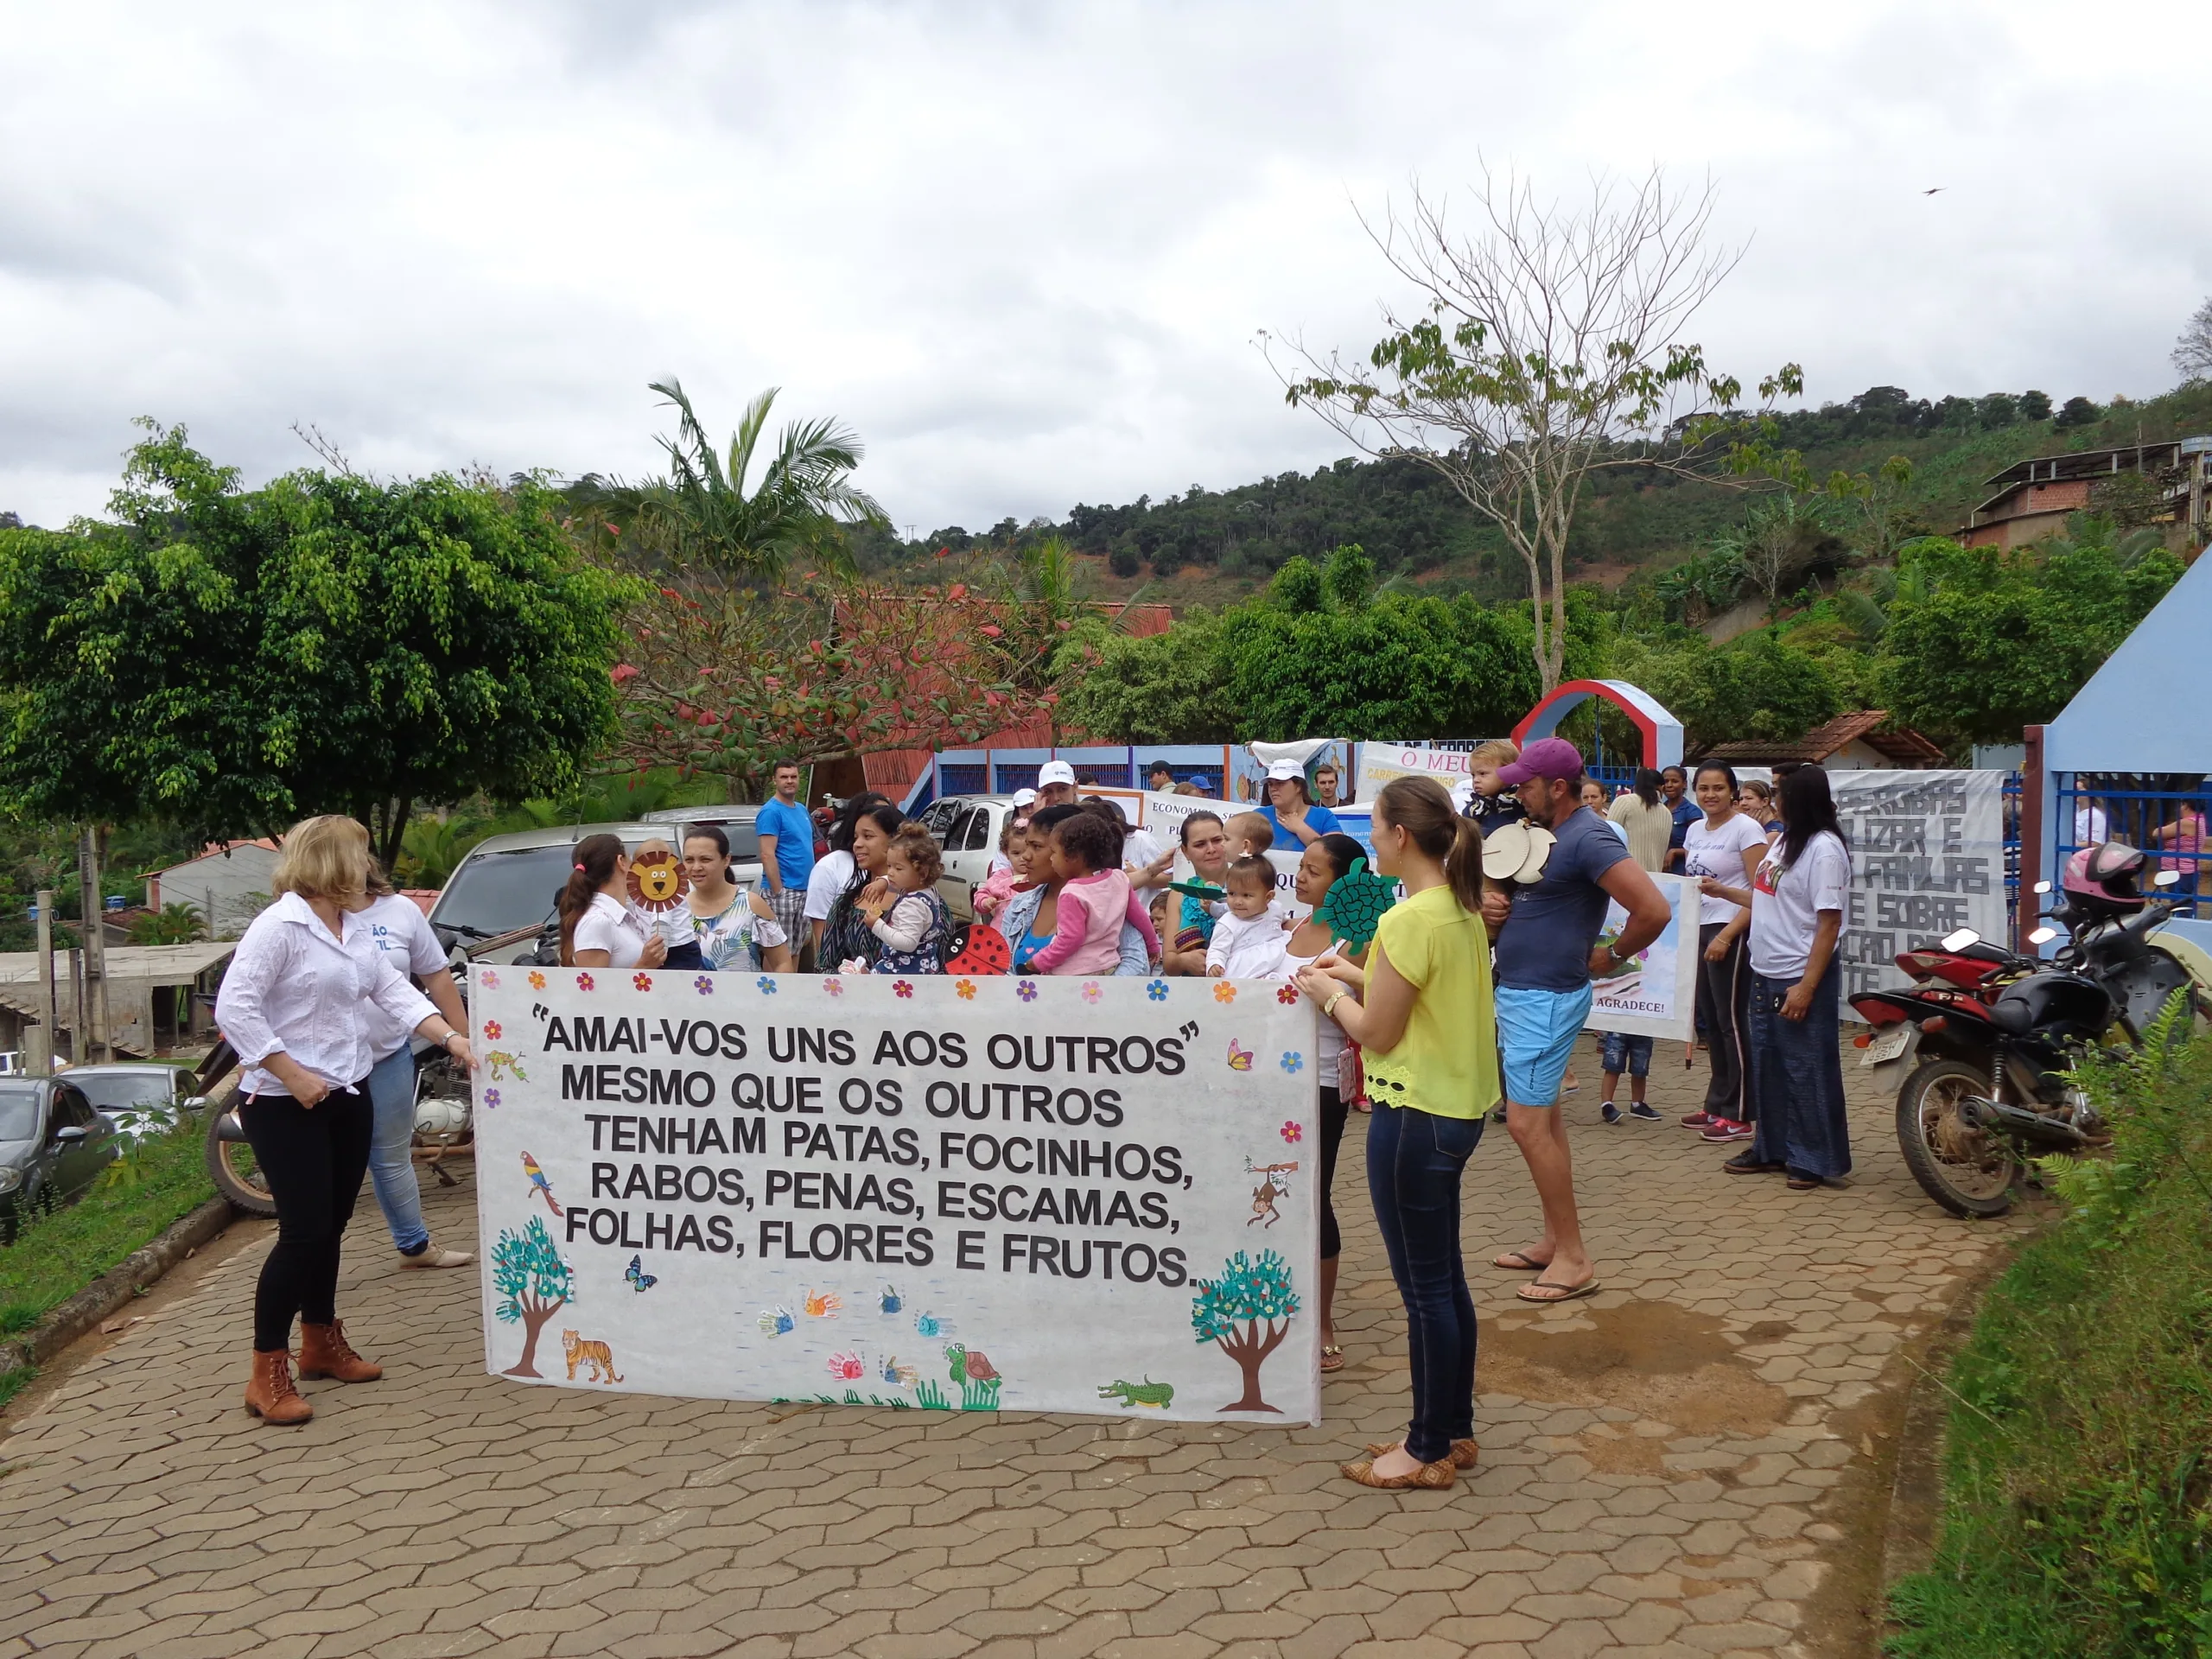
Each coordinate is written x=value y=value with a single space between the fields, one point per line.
x=1546 y=952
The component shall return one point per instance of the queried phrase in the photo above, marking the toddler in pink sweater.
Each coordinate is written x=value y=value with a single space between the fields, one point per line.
x=1096 y=899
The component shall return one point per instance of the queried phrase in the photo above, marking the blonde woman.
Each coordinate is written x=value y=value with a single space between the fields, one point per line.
x=296 y=1004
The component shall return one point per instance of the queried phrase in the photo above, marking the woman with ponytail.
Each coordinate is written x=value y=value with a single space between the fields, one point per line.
x=598 y=928
x=1422 y=1014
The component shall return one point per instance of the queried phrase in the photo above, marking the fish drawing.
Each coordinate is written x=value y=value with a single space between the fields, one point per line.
x=891 y=1302
x=775 y=1321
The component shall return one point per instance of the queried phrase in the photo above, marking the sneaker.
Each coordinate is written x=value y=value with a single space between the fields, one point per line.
x=1724 y=1129
x=1644 y=1112
x=1497 y=1115
x=1697 y=1120
x=1610 y=1112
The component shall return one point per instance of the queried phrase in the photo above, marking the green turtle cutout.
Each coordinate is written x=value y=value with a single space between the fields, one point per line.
x=1354 y=904
x=1212 y=895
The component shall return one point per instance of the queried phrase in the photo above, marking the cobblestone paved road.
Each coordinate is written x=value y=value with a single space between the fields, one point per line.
x=1665 y=1467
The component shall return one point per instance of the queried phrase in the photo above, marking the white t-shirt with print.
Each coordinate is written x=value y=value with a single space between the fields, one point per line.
x=1719 y=854
x=1787 y=905
x=396 y=927
x=831 y=874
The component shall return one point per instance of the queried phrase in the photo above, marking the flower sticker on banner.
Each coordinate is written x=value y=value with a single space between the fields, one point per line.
x=834 y=986
x=964 y=989
x=1293 y=1133
x=585 y=982
x=643 y=982
x=1156 y=989
x=767 y=985
x=491 y=1031
x=491 y=1098
x=1292 y=1061
x=1287 y=996
x=1224 y=991
x=487 y=979
x=900 y=988
x=1026 y=990
x=1091 y=990
x=537 y=981
x=704 y=984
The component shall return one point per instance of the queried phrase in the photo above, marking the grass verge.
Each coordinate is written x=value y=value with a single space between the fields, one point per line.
x=2077 y=1517
x=55 y=1256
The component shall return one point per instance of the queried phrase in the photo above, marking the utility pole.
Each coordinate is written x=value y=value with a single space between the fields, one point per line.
x=40 y=1044
x=93 y=1043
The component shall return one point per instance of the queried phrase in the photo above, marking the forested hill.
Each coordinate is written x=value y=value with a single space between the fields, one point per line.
x=1214 y=546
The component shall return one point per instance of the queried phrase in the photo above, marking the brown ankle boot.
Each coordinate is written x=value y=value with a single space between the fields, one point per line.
x=324 y=1351
x=271 y=1395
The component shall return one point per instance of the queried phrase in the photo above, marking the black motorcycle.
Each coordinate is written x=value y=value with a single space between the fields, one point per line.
x=1989 y=1077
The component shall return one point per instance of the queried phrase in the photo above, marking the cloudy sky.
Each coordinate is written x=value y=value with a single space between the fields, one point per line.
x=1024 y=249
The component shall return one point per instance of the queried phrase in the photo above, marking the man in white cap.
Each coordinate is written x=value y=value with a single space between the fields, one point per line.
x=1055 y=784
x=1291 y=812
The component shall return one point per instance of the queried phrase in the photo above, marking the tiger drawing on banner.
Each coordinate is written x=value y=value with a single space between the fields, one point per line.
x=596 y=1354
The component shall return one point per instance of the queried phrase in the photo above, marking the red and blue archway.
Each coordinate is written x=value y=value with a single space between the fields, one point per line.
x=1662 y=733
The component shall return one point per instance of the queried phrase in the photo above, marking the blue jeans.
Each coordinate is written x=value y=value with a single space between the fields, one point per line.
x=1414 y=1162
x=1627 y=1054
x=391 y=1158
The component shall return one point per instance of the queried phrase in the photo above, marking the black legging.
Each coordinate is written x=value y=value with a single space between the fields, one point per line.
x=1334 y=1114
x=1722 y=989
x=314 y=1158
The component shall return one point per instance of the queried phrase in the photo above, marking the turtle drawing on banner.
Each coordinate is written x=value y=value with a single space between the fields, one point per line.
x=534 y=1283
x=1231 y=1311
x=978 y=1378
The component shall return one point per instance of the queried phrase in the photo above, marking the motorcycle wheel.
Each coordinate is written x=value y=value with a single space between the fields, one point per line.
x=1968 y=1172
x=231 y=1166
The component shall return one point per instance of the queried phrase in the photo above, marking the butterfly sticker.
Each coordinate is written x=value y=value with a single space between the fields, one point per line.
x=1240 y=1059
x=640 y=1280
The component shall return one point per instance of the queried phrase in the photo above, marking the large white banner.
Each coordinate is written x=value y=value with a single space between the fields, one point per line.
x=934 y=1192
x=1927 y=859
x=1655 y=996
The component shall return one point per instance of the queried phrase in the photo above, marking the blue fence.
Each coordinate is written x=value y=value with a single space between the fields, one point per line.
x=2168 y=822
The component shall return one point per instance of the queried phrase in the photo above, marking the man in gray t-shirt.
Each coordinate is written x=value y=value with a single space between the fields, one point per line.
x=1546 y=934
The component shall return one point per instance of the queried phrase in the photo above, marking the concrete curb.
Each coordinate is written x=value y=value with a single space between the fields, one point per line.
x=72 y=1319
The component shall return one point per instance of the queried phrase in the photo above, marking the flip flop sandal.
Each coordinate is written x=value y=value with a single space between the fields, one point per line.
x=1566 y=1292
x=1464 y=1454
x=1518 y=1261
x=1431 y=1476
x=1333 y=1357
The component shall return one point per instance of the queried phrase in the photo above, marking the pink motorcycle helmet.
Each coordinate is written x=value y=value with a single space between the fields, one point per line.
x=2101 y=879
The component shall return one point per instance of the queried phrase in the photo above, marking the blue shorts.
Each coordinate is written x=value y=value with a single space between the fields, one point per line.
x=1537 y=1030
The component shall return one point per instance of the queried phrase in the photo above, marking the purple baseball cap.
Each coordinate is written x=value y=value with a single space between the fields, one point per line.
x=1548 y=757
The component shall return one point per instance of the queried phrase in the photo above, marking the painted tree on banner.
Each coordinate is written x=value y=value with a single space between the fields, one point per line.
x=534 y=1284
x=1230 y=1310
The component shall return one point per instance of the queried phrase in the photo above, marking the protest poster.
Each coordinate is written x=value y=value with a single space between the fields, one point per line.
x=1381 y=762
x=938 y=1193
x=1927 y=859
x=1655 y=996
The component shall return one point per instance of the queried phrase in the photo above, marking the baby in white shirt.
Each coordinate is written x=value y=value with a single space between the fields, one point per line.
x=1252 y=941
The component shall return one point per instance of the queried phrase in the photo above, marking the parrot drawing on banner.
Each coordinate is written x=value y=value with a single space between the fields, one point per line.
x=538 y=1179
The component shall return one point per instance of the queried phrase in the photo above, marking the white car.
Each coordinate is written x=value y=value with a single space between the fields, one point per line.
x=966 y=828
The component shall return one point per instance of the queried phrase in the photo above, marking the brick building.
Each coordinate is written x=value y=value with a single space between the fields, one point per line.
x=2033 y=498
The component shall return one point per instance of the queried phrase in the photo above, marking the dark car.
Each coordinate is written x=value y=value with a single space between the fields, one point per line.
x=52 y=1144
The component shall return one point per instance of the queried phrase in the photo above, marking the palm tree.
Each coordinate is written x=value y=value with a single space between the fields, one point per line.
x=702 y=511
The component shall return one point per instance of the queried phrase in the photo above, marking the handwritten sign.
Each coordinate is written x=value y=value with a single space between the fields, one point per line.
x=1927 y=859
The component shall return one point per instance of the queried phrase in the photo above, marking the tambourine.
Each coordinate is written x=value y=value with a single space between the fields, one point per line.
x=1517 y=851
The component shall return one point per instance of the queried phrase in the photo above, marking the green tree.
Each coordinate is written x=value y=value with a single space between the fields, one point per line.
x=2077 y=412
x=1168 y=688
x=1755 y=686
x=1981 y=641
x=174 y=924
x=230 y=661
x=533 y=1284
x=1546 y=350
x=1229 y=1311
x=708 y=510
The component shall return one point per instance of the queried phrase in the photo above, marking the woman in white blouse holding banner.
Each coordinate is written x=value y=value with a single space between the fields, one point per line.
x=296 y=1005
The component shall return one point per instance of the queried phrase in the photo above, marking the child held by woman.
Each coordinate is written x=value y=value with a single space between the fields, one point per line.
x=1249 y=942
x=909 y=921
x=1096 y=899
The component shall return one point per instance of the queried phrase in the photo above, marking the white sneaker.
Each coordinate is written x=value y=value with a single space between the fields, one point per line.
x=432 y=1256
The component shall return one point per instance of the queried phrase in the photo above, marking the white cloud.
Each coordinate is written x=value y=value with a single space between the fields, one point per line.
x=1024 y=249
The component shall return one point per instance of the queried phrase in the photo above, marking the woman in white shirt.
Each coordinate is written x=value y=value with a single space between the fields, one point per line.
x=598 y=927
x=1797 y=905
x=395 y=927
x=295 y=1004
x=1722 y=852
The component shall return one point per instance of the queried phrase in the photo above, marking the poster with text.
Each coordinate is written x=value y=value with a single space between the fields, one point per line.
x=1655 y=994
x=1927 y=859
x=930 y=1193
